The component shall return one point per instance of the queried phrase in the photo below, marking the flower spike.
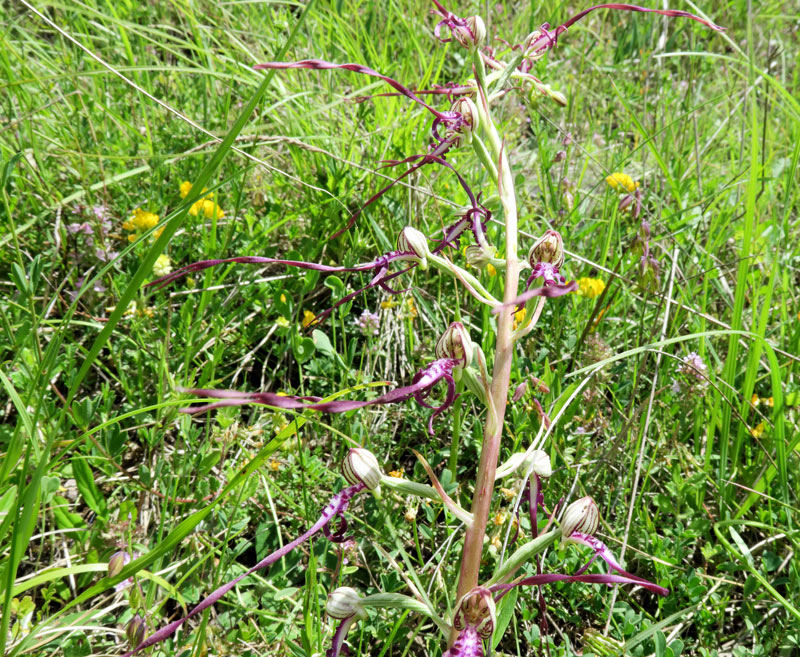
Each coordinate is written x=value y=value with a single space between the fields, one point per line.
x=335 y=509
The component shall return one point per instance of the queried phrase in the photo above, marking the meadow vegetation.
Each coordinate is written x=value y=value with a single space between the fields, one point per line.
x=137 y=138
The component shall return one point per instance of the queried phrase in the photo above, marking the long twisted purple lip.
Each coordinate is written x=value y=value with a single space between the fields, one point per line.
x=422 y=385
x=549 y=40
x=321 y=65
x=335 y=509
x=592 y=578
x=549 y=291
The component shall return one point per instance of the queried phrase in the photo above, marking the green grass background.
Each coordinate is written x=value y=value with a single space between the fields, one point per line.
x=117 y=103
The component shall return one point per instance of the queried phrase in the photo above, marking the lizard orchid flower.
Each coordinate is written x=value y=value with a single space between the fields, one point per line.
x=474 y=619
x=469 y=32
x=334 y=511
x=343 y=604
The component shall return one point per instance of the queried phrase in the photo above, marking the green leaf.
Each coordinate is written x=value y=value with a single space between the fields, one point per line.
x=84 y=477
x=505 y=612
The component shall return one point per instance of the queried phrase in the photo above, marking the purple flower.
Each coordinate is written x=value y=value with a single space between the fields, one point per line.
x=421 y=386
x=105 y=255
x=82 y=228
x=369 y=323
x=691 y=377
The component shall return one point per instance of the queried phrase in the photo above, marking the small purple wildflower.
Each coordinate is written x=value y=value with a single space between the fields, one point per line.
x=368 y=323
x=82 y=228
x=691 y=377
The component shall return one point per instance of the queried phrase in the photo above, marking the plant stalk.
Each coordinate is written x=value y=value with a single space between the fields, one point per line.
x=504 y=351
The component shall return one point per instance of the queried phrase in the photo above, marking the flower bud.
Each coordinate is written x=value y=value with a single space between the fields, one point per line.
x=117 y=562
x=361 y=466
x=476 y=609
x=560 y=156
x=548 y=248
x=522 y=461
x=414 y=241
x=456 y=343
x=580 y=516
x=345 y=602
x=473 y=34
x=477 y=257
x=135 y=630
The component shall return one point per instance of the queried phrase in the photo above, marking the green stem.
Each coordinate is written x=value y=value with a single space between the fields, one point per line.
x=452 y=464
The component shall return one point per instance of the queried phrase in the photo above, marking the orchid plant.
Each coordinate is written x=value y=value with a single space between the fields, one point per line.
x=468 y=122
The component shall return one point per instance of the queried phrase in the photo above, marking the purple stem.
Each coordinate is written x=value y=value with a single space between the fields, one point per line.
x=336 y=507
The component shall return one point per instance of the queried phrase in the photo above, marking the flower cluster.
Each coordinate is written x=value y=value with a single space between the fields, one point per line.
x=140 y=222
x=691 y=377
x=205 y=205
x=590 y=287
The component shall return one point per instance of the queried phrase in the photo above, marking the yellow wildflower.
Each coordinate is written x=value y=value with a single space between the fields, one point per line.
x=508 y=493
x=308 y=318
x=162 y=265
x=754 y=400
x=519 y=317
x=283 y=298
x=186 y=187
x=128 y=225
x=590 y=287
x=274 y=465
x=491 y=270
x=769 y=401
x=197 y=208
x=411 y=308
x=397 y=474
x=500 y=518
x=388 y=304
x=210 y=209
x=132 y=237
x=622 y=182
x=157 y=233
x=496 y=542
x=757 y=430
x=143 y=220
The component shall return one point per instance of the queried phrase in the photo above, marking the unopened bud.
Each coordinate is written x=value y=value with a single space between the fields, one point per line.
x=135 y=631
x=569 y=200
x=414 y=241
x=345 y=602
x=361 y=466
x=473 y=34
x=625 y=203
x=548 y=248
x=476 y=609
x=560 y=156
x=117 y=562
x=477 y=257
x=581 y=516
x=456 y=343
x=538 y=462
x=520 y=390
x=649 y=273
